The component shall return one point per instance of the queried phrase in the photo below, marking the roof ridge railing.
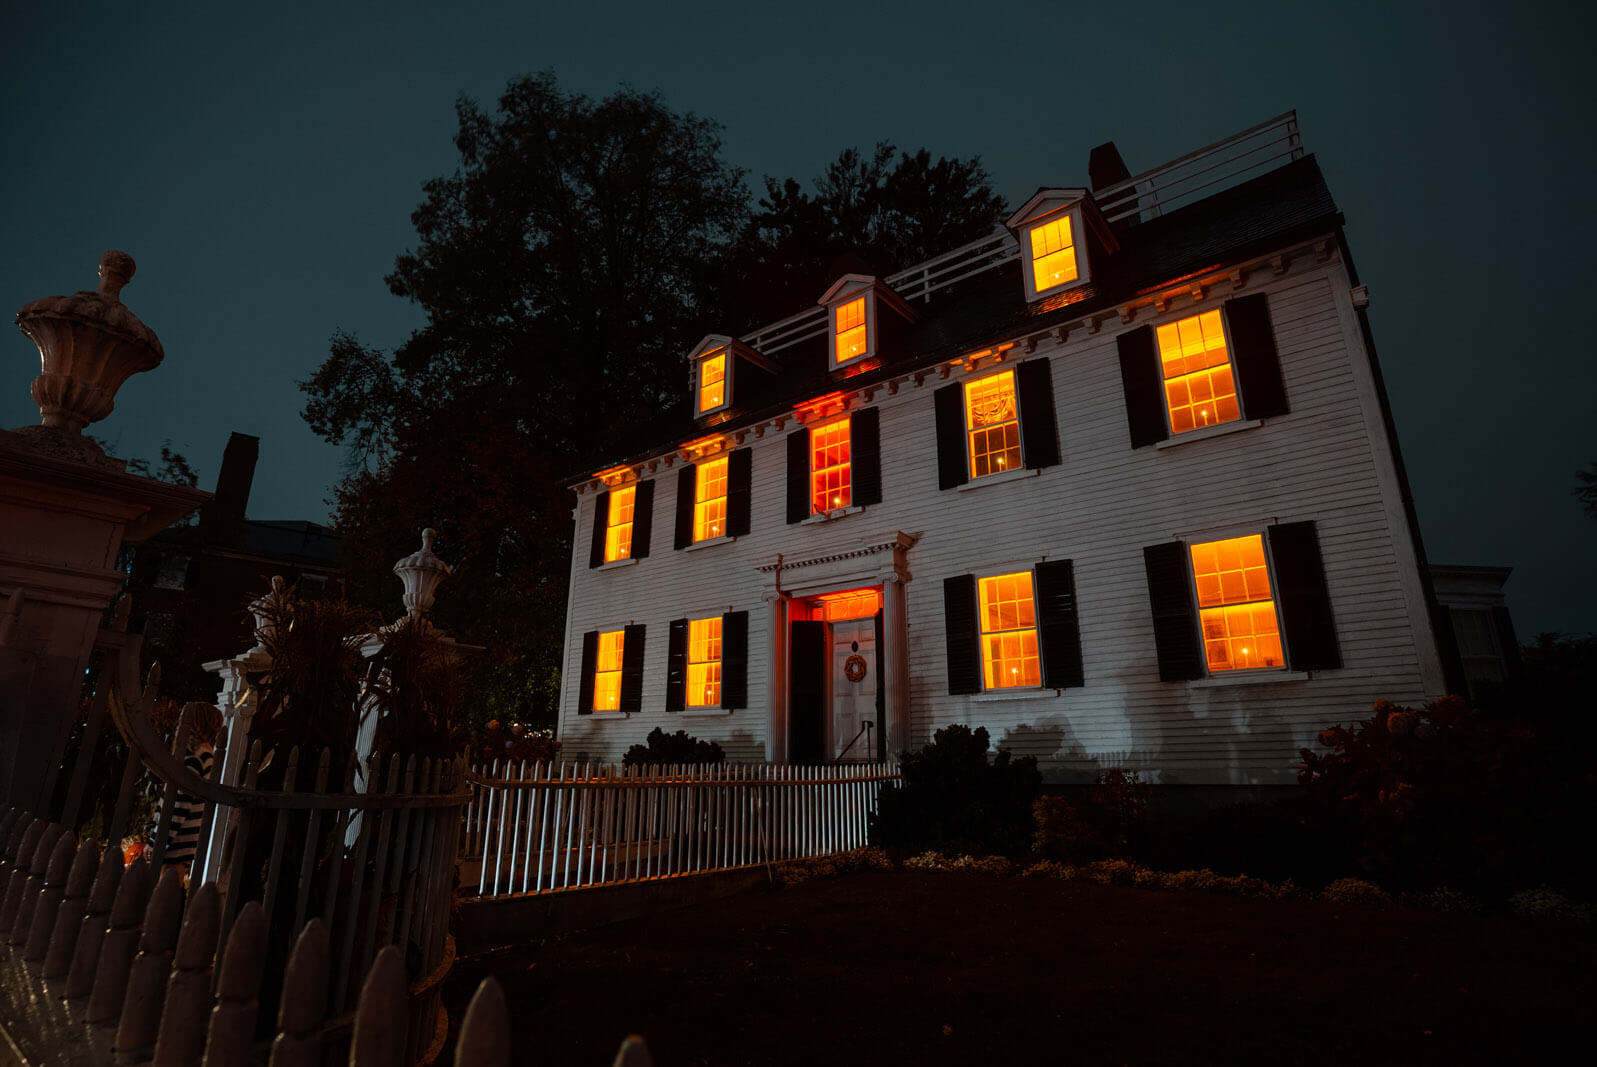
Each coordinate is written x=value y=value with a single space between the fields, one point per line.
x=1201 y=172
x=1171 y=184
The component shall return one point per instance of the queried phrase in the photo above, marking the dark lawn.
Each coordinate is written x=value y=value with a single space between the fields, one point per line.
x=963 y=969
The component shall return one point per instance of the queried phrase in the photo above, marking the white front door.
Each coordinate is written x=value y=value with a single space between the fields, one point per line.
x=853 y=690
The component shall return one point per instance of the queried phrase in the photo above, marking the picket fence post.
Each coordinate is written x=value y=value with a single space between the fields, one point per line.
x=188 y=990
x=232 y=1023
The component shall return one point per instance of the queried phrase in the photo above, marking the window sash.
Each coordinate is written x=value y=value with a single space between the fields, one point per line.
x=992 y=425
x=831 y=482
x=709 y=499
x=712 y=382
x=1053 y=254
x=607 y=671
x=850 y=335
x=1006 y=610
x=618 y=533
x=704 y=663
x=1236 y=605
x=1199 y=376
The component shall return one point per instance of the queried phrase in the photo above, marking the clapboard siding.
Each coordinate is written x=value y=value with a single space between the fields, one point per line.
x=1098 y=507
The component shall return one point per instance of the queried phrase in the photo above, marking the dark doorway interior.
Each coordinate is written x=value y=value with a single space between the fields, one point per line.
x=806 y=701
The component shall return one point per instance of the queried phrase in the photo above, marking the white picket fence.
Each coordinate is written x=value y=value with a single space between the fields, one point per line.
x=539 y=828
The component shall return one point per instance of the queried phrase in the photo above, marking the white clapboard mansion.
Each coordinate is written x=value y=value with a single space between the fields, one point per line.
x=1118 y=483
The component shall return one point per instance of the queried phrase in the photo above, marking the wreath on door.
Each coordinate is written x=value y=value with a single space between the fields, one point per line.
x=854 y=668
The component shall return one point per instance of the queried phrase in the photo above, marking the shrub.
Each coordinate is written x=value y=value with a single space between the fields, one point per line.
x=1062 y=832
x=1445 y=796
x=1356 y=892
x=955 y=800
x=1443 y=900
x=680 y=747
x=797 y=872
x=1546 y=903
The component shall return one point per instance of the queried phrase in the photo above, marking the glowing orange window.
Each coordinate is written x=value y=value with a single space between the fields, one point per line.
x=1008 y=632
x=829 y=466
x=618 y=534
x=607 y=674
x=1235 y=609
x=704 y=663
x=1053 y=254
x=709 y=500
x=849 y=329
x=1198 y=387
x=992 y=424
x=712 y=382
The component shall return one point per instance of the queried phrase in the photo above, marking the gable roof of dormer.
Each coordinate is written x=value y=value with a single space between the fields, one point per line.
x=850 y=284
x=734 y=347
x=1046 y=201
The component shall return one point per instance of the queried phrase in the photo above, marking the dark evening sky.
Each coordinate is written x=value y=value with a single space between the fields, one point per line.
x=261 y=164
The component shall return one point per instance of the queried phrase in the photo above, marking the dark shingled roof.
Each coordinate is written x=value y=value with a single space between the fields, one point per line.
x=1280 y=207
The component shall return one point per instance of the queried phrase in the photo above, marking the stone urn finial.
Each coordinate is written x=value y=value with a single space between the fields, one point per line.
x=89 y=344
x=421 y=572
x=266 y=612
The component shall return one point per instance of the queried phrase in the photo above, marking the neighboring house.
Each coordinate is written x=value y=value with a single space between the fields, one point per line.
x=1476 y=627
x=1118 y=483
x=191 y=584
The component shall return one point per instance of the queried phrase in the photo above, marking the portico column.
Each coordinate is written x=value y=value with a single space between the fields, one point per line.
x=895 y=629
x=776 y=728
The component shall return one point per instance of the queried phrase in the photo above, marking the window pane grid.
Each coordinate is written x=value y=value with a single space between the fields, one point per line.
x=1053 y=254
x=1235 y=607
x=709 y=507
x=607 y=674
x=830 y=482
x=992 y=424
x=1199 y=387
x=1009 y=632
x=712 y=382
x=618 y=536
x=704 y=662
x=850 y=330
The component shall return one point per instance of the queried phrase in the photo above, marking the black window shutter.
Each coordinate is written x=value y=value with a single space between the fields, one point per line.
x=676 y=666
x=1140 y=378
x=865 y=455
x=1175 y=618
x=1253 y=350
x=798 y=475
x=739 y=490
x=735 y=659
x=632 y=668
x=687 y=482
x=1304 y=599
x=601 y=521
x=1058 y=627
x=1039 y=430
x=642 y=519
x=959 y=628
x=590 y=663
x=953 y=468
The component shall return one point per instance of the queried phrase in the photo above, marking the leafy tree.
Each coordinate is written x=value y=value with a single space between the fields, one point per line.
x=565 y=268
x=881 y=212
x=174 y=468
x=1586 y=491
x=576 y=254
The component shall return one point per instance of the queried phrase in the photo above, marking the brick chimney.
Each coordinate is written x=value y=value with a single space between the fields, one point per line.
x=1105 y=167
x=222 y=520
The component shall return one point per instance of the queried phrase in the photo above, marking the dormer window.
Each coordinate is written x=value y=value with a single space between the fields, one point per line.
x=848 y=330
x=1053 y=228
x=712 y=382
x=716 y=380
x=857 y=306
